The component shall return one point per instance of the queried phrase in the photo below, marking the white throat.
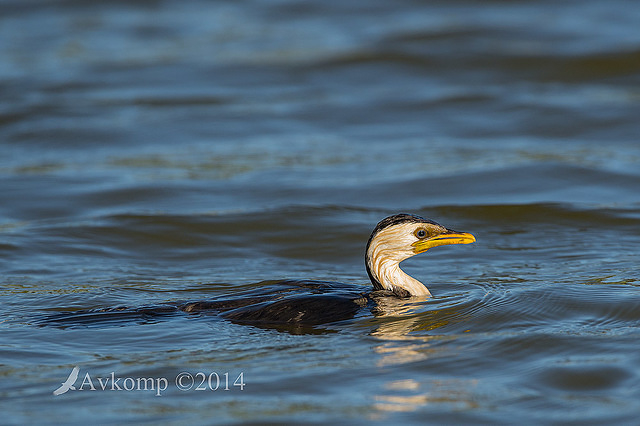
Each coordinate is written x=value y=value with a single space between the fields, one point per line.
x=390 y=276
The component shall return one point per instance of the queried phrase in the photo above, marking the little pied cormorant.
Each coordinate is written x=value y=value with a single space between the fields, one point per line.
x=295 y=305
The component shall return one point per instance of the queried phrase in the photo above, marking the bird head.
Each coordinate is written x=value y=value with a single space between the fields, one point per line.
x=399 y=237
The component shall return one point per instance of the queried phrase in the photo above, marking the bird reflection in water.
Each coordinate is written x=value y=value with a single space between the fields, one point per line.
x=402 y=331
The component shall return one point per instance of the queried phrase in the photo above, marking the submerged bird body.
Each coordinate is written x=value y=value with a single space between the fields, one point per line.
x=308 y=303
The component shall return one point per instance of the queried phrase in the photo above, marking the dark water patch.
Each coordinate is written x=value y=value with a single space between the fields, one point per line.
x=575 y=380
x=586 y=378
x=593 y=66
x=559 y=215
x=608 y=65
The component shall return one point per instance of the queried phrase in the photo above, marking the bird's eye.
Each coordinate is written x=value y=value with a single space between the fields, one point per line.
x=421 y=233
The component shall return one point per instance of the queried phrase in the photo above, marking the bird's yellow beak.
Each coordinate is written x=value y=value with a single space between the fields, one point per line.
x=443 y=240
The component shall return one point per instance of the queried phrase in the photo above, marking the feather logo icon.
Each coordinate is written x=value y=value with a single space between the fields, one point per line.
x=69 y=383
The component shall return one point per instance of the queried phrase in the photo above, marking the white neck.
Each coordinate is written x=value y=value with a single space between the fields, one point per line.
x=385 y=250
x=390 y=275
